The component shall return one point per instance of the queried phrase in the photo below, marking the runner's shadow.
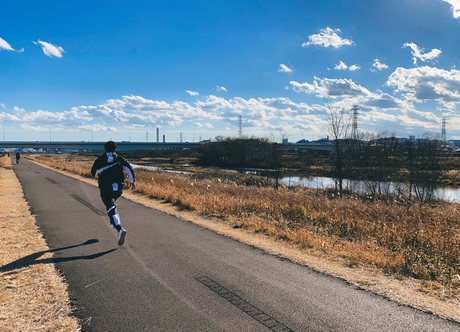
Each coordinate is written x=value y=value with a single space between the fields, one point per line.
x=32 y=259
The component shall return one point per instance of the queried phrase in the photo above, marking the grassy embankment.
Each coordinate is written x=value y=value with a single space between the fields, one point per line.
x=401 y=238
x=33 y=296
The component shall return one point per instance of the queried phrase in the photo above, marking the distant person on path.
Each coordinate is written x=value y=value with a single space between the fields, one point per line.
x=18 y=157
x=108 y=169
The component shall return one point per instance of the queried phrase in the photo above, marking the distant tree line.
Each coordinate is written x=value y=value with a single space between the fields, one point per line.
x=242 y=152
x=413 y=165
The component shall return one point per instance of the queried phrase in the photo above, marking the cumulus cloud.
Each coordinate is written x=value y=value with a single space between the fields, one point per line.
x=455 y=6
x=419 y=53
x=213 y=103
x=18 y=109
x=192 y=93
x=427 y=84
x=383 y=101
x=260 y=114
x=4 y=45
x=354 y=67
x=44 y=117
x=331 y=88
x=50 y=49
x=284 y=69
x=343 y=66
x=328 y=38
x=378 y=65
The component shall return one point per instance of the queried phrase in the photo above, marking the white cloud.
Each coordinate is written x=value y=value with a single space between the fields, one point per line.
x=44 y=117
x=97 y=127
x=378 y=65
x=427 y=84
x=221 y=88
x=260 y=115
x=213 y=102
x=419 y=54
x=203 y=125
x=4 y=45
x=354 y=67
x=192 y=93
x=343 y=66
x=331 y=88
x=50 y=49
x=327 y=38
x=455 y=6
x=383 y=101
x=7 y=117
x=284 y=69
x=18 y=109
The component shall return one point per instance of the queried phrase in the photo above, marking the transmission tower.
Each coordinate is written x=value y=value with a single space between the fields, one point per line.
x=354 y=122
x=240 y=125
x=443 y=131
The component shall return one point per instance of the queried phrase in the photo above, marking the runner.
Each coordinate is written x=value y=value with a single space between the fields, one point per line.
x=108 y=169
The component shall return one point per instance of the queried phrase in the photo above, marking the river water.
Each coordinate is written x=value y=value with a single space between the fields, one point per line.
x=362 y=187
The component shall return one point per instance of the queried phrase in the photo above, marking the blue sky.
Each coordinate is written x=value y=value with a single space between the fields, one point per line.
x=98 y=70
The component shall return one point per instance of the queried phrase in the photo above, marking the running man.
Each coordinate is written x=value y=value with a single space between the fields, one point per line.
x=108 y=169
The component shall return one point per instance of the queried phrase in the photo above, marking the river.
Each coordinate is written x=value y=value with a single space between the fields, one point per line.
x=362 y=187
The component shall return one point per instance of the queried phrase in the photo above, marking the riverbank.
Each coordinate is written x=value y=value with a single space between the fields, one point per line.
x=33 y=295
x=344 y=237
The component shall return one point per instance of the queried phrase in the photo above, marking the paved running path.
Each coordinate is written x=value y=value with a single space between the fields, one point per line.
x=172 y=275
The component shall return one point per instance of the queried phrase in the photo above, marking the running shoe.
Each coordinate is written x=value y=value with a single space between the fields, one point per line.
x=121 y=236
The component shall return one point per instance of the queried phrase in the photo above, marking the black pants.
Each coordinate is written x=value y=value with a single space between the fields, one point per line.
x=109 y=199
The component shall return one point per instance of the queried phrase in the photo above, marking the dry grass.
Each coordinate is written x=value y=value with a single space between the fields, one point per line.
x=33 y=297
x=411 y=239
x=402 y=238
x=416 y=246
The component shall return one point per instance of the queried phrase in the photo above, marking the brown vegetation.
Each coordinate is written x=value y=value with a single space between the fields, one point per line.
x=33 y=297
x=410 y=239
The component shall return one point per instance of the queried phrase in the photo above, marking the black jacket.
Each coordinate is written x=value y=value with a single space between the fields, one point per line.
x=108 y=169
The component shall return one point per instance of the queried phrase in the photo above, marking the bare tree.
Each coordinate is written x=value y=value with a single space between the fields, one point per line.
x=338 y=126
x=422 y=164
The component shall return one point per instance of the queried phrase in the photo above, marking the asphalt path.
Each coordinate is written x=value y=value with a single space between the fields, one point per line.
x=172 y=275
